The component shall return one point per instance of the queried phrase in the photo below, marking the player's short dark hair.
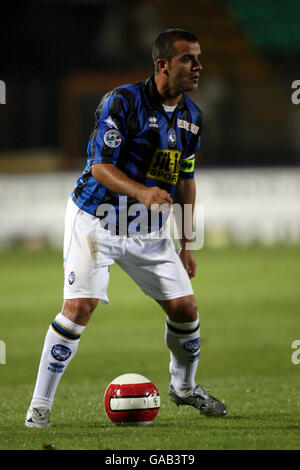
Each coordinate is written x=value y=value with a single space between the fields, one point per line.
x=163 y=47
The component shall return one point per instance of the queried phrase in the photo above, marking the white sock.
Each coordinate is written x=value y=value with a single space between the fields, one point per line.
x=60 y=346
x=183 y=341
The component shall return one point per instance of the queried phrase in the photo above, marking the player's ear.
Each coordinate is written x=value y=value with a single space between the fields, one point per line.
x=162 y=66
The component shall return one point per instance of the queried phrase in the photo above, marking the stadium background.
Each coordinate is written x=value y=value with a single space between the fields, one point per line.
x=57 y=59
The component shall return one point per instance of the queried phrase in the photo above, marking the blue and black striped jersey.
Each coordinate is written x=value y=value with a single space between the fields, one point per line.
x=133 y=132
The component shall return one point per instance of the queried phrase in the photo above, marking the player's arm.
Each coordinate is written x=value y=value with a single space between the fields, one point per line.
x=186 y=194
x=116 y=180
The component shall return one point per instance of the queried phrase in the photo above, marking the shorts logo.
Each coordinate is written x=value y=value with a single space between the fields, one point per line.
x=192 y=346
x=60 y=352
x=71 y=278
x=172 y=137
x=112 y=138
x=165 y=166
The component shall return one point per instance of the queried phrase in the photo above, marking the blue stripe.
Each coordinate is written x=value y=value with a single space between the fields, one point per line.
x=64 y=332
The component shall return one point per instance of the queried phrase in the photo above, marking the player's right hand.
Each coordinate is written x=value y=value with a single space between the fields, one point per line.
x=155 y=197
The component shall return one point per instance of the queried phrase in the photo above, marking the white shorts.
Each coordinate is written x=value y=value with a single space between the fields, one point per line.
x=89 y=250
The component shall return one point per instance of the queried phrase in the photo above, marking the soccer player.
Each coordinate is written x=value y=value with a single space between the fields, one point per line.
x=140 y=159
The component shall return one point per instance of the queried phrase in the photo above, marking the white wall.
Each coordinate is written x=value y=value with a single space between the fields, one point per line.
x=239 y=205
x=251 y=205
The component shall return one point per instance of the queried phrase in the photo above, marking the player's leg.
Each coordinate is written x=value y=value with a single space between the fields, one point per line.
x=85 y=283
x=157 y=269
x=182 y=337
x=60 y=347
x=79 y=311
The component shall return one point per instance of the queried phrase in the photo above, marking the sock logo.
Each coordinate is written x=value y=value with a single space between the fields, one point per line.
x=56 y=367
x=194 y=357
x=192 y=346
x=60 y=352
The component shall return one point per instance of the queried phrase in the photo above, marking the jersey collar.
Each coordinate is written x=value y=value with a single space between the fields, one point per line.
x=154 y=97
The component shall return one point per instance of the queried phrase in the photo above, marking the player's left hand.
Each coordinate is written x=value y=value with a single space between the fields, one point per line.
x=189 y=261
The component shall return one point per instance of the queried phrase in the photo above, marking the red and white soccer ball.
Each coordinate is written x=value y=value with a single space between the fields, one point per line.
x=131 y=398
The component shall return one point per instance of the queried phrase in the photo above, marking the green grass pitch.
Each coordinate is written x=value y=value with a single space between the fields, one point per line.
x=249 y=300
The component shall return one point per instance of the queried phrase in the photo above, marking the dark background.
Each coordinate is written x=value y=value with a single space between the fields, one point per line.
x=58 y=58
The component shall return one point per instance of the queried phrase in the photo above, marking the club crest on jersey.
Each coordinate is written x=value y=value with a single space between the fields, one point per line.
x=172 y=140
x=71 y=278
x=165 y=166
x=112 y=138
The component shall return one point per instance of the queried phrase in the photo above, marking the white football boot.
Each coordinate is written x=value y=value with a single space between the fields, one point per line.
x=38 y=416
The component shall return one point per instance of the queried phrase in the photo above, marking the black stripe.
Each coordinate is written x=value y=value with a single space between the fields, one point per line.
x=183 y=133
x=80 y=187
x=131 y=115
x=61 y=330
x=199 y=123
x=182 y=332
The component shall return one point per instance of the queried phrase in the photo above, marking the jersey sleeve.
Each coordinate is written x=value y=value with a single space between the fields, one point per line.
x=187 y=160
x=108 y=138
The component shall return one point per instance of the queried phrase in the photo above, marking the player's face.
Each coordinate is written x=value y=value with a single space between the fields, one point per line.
x=185 y=67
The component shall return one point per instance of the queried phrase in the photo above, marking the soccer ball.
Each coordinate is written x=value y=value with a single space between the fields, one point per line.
x=131 y=399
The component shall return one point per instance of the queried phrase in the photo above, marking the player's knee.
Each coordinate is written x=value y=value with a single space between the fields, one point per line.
x=183 y=310
x=79 y=310
x=190 y=311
